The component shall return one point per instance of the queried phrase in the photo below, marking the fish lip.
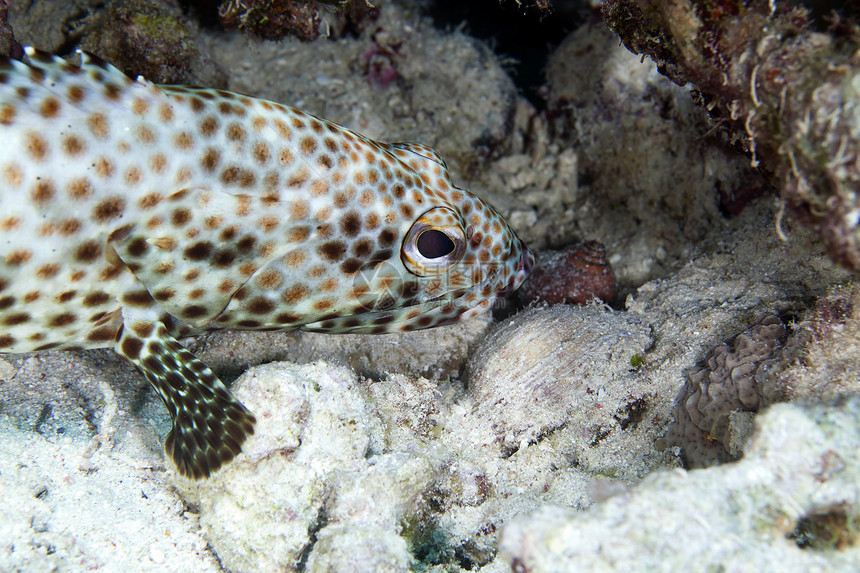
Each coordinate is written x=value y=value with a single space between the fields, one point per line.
x=527 y=261
x=524 y=269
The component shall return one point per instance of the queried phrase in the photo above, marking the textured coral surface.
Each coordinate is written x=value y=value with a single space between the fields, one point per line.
x=801 y=467
x=787 y=89
x=763 y=365
x=729 y=380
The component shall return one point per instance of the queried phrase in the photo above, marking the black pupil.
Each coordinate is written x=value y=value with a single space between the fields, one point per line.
x=433 y=244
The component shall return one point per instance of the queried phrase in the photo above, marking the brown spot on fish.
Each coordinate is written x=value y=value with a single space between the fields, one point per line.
x=48 y=271
x=104 y=167
x=36 y=146
x=63 y=319
x=88 y=252
x=184 y=141
x=49 y=108
x=110 y=208
x=43 y=191
x=98 y=125
x=19 y=257
x=332 y=251
x=73 y=146
x=131 y=347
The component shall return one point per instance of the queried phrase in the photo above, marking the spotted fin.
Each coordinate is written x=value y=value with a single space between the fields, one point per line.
x=46 y=73
x=418 y=149
x=56 y=68
x=425 y=162
x=209 y=424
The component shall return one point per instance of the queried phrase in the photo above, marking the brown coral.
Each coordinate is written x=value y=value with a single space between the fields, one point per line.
x=819 y=361
x=727 y=381
x=8 y=45
x=145 y=37
x=790 y=94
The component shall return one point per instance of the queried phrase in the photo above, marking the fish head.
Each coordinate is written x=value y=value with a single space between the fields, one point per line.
x=465 y=256
x=448 y=255
x=456 y=259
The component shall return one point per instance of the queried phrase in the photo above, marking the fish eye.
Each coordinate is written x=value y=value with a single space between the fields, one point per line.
x=435 y=243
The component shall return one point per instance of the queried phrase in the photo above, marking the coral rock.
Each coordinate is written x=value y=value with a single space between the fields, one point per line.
x=537 y=373
x=822 y=357
x=760 y=73
x=272 y=20
x=306 y=473
x=802 y=468
x=575 y=275
x=8 y=45
x=146 y=37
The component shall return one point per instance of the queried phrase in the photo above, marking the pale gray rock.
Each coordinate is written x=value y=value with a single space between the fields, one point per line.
x=72 y=503
x=563 y=367
x=620 y=143
x=800 y=472
x=356 y=549
x=305 y=475
x=436 y=354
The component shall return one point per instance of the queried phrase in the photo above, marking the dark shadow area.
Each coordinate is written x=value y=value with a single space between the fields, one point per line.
x=524 y=33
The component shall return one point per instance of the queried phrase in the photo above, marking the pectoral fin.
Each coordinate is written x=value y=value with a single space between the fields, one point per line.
x=209 y=424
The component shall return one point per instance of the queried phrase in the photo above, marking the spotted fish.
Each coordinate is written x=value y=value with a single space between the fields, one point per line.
x=132 y=214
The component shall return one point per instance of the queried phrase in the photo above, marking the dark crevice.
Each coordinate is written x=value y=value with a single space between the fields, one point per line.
x=523 y=34
x=314 y=528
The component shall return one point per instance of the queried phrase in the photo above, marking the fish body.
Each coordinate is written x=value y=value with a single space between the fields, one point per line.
x=132 y=214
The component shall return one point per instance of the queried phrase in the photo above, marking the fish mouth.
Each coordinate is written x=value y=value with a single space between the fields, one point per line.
x=527 y=263
x=524 y=268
